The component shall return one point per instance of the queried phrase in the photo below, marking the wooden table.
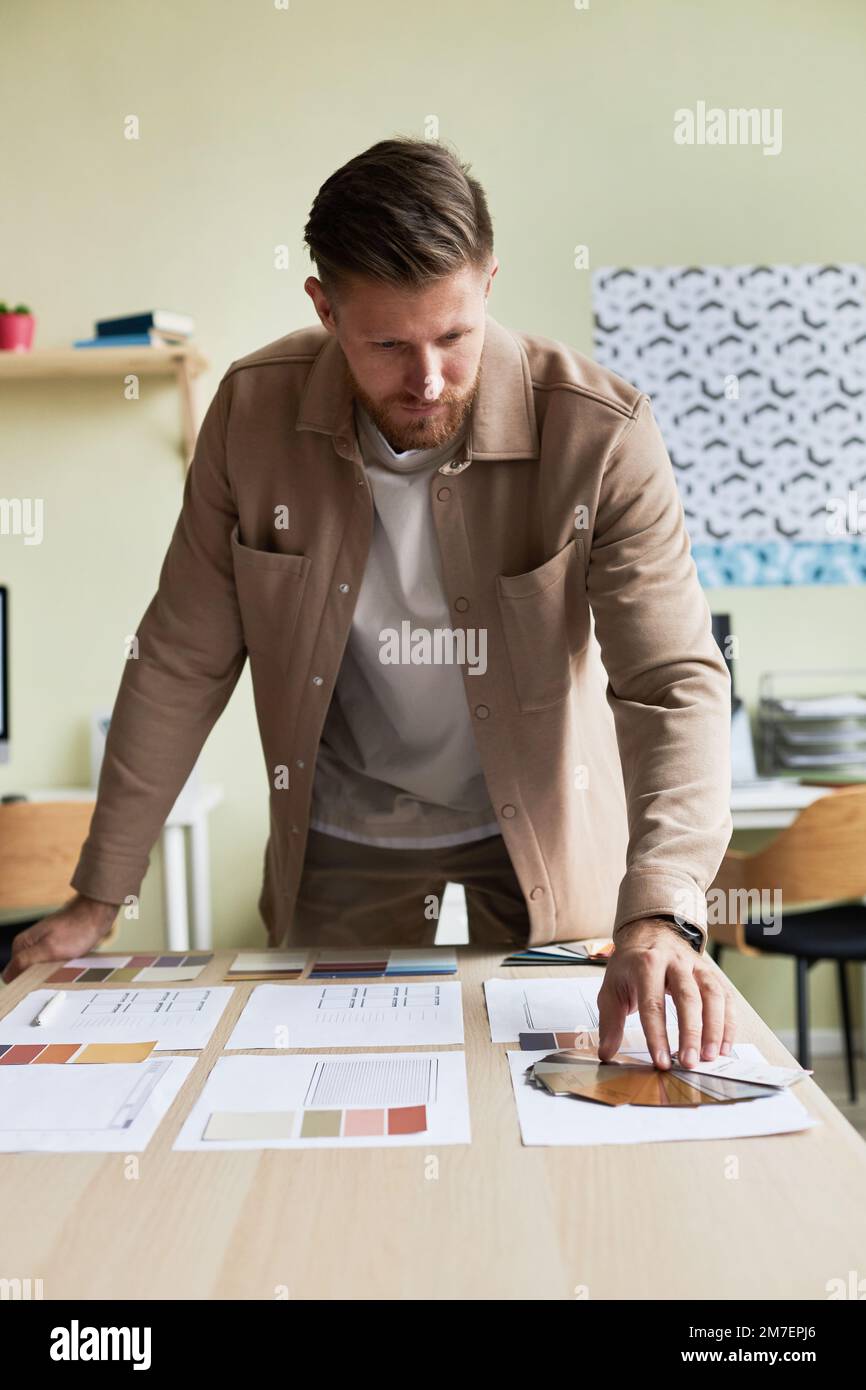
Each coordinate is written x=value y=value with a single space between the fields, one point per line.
x=488 y=1220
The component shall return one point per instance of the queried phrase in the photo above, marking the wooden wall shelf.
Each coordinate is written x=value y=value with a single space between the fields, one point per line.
x=184 y=363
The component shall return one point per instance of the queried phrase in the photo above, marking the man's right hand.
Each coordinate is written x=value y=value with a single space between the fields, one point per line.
x=73 y=930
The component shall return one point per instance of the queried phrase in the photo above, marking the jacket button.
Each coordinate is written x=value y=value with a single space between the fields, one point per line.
x=443 y=494
x=295 y=830
x=481 y=711
x=299 y=762
x=536 y=893
x=317 y=680
x=344 y=588
x=461 y=604
x=508 y=810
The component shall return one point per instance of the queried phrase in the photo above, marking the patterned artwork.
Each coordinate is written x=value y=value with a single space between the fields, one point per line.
x=757 y=376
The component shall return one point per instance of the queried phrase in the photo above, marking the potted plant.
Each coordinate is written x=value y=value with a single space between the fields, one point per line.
x=16 y=328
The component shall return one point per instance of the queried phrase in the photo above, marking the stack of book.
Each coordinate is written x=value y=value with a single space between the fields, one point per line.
x=153 y=328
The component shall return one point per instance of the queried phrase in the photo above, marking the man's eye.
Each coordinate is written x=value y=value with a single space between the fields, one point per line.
x=387 y=345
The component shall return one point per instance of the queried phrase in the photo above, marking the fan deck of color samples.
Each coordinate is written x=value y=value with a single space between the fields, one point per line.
x=622 y=1081
x=595 y=951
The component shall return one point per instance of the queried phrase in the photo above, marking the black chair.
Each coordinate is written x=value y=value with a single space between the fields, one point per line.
x=817 y=867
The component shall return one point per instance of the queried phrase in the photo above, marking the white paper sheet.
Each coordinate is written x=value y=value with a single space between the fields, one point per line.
x=553 y=1006
x=286 y=1091
x=565 y=1120
x=350 y=1015
x=181 y=1020
x=104 y=1109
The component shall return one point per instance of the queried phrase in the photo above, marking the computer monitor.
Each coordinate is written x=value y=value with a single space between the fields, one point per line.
x=4 y=674
x=744 y=768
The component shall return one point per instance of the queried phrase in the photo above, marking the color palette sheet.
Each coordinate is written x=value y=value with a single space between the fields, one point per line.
x=351 y=1015
x=355 y=1100
x=129 y=970
x=560 y=1120
x=58 y=1054
x=109 y=1109
x=179 y=1019
x=267 y=965
x=559 y=1008
x=357 y=964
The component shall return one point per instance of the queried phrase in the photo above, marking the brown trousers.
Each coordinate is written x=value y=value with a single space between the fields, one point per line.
x=362 y=895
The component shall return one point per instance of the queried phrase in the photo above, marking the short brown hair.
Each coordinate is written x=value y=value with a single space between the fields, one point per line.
x=405 y=211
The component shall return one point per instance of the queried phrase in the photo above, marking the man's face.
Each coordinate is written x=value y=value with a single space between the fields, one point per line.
x=414 y=357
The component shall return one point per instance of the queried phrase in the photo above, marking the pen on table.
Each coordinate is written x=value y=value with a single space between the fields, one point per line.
x=50 y=1010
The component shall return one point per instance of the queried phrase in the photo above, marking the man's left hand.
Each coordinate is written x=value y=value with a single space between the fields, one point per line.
x=650 y=960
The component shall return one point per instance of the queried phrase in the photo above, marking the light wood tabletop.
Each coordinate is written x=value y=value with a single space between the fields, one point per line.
x=761 y=1218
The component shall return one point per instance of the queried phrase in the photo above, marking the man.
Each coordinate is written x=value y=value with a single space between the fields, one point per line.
x=433 y=537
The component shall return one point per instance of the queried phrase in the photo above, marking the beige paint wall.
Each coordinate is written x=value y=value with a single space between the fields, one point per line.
x=566 y=117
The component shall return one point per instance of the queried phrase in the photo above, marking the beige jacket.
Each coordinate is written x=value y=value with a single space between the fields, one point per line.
x=603 y=718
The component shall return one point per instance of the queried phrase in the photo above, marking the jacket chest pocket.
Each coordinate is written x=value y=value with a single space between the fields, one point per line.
x=270 y=587
x=545 y=619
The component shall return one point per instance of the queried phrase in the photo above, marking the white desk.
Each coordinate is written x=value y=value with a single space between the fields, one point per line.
x=183 y=900
x=771 y=803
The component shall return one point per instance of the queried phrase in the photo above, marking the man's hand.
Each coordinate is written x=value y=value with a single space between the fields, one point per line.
x=650 y=959
x=73 y=930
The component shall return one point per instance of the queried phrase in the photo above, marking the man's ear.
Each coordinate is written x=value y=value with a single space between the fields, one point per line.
x=321 y=303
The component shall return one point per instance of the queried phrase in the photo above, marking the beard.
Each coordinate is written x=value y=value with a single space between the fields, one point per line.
x=424 y=431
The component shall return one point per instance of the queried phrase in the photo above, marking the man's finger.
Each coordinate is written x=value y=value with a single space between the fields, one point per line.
x=20 y=962
x=612 y=1014
x=651 y=1007
x=687 y=998
x=713 y=998
x=730 y=1023
x=33 y=946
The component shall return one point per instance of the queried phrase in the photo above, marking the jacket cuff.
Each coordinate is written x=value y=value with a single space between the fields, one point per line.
x=107 y=880
x=663 y=894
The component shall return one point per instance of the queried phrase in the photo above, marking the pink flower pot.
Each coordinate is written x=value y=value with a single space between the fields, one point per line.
x=16 y=332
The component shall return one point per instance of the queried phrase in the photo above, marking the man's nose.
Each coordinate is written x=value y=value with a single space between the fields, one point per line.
x=427 y=382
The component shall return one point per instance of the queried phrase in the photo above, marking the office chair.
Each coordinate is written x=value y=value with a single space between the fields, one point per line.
x=818 y=863
x=40 y=842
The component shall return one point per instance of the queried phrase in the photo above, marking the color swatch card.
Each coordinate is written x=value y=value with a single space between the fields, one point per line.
x=59 y=1053
x=179 y=1019
x=553 y=1012
x=351 y=1015
x=547 y=1119
x=130 y=970
x=358 y=964
x=267 y=965
x=110 y=1109
x=358 y=1100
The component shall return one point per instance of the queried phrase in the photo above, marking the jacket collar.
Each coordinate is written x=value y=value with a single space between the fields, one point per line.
x=502 y=421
